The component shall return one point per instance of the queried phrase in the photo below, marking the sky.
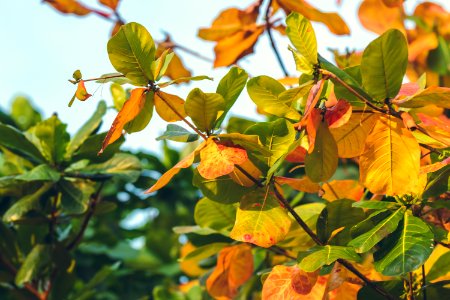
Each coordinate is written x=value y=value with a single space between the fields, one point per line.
x=41 y=48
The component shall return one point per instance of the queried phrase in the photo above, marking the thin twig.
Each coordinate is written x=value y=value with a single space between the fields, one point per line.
x=272 y=40
x=104 y=77
x=280 y=251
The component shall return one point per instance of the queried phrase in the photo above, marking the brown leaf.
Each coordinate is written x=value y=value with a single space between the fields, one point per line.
x=131 y=108
x=234 y=267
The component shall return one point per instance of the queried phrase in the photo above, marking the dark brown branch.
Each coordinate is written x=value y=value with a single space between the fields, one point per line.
x=272 y=40
x=280 y=251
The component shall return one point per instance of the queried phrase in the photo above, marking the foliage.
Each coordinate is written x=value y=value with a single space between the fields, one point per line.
x=282 y=214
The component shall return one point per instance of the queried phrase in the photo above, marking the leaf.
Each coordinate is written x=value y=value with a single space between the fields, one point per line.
x=23 y=113
x=119 y=95
x=436 y=95
x=302 y=36
x=16 y=142
x=204 y=108
x=129 y=111
x=326 y=255
x=342 y=189
x=407 y=249
x=322 y=162
x=300 y=184
x=131 y=52
x=70 y=7
x=249 y=142
x=390 y=162
x=26 y=204
x=230 y=87
x=440 y=267
x=218 y=159
x=35 y=262
x=81 y=93
x=143 y=118
x=351 y=136
x=246 y=173
x=339 y=114
x=288 y=282
x=260 y=220
x=175 y=69
x=170 y=108
x=377 y=17
x=122 y=165
x=203 y=252
x=378 y=205
x=86 y=130
x=214 y=215
x=301 y=63
x=160 y=65
x=110 y=3
x=40 y=173
x=234 y=267
x=277 y=136
x=368 y=240
x=332 y=20
x=178 y=134
x=384 y=64
x=178 y=80
x=265 y=92
x=74 y=200
x=182 y=164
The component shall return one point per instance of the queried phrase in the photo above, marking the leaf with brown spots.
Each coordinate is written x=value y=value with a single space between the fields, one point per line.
x=131 y=108
x=234 y=267
x=218 y=159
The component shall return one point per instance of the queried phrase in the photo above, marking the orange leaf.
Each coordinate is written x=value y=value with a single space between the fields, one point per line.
x=377 y=17
x=312 y=124
x=81 y=93
x=435 y=167
x=234 y=267
x=182 y=164
x=110 y=3
x=342 y=189
x=176 y=69
x=288 y=283
x=70 y=7
x=422 y=45
x=297 y=155
x=339 y=114
x=217 y=159
x=116 y=28
x=332 y=20
x=190 y=267
x=166 y=104
x=300 y=184
x=312 y=100
x=242 y=179
x=131 y=108
x=393 y=3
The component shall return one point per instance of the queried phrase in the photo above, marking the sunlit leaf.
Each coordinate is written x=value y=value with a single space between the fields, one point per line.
x=169 y=107
x=377 y=17
x=178 y=134
x=204 y=108
x=325 y=255
x=300 y=184
x=214 y=215
x=342 y=189
x=302 y=36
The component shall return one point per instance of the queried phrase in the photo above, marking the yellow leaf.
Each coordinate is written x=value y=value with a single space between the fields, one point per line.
x=129 y=111
x=377 y=17
x=260 y=219
x=190 y=267
x=81 y=93
x=242 y=179
x=218 y=159
x=234 y=267
x=300 y=184
x=166 y=105
x=342 y=189
x=423 y=44
x=391 y=159
x=351 y=136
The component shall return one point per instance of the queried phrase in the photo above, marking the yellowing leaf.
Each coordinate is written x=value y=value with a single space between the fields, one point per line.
x=169 y=107
x=182 y=164
x=217 y=159
x=391 y=159
x=300 y=184
x=204 y=108
x=288 y=283
x=242 y=179
x=129 y=111
x=234 y=267
x=422 y=45
x=342 y=189
x=351 y=136
x=190 y=267
x=332 y=20
x=436 y=95
x=176 y=69
x=339 y=114
x=377 y=17
x=393 y=3
x=81 y=93
x=260 y=219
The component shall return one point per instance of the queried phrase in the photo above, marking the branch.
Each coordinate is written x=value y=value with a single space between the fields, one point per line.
x=272 y=40
x=280 y=251
x=95 y=199
x=104 y=77
x=93 y=177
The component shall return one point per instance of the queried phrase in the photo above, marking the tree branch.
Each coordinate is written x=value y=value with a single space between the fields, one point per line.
x=272 y=40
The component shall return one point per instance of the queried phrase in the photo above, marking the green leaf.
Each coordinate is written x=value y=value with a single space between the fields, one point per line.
x=204 y=108
x=368 y=240
x=265 y=92
x=343 y=93
x=89 y=149
x=337 y=214
x=118 y=78
x=143 y=118
x=73 y=200
x=406 y=249
x=40 y=173
x=440 y=268
x=159 y=66
x=384 y=64
x=322 y=162
x=204 y=252
x=26 y=204
x=438 y=59
x=230 y=87
x=239 y=125
x=301 y=63
x=24 y=114
x=222 y=189
x=214 y=215
x=16 y=142
x=326 y=255
x=119 y=95
x=301 y=34
x=277 y=136
x=131 y=52
x=376 y=204
x=438 y=183
x=86 y=130
x=249 y=142
x=178 y=134
x=393 y=287
x=121 y=165
x=9 y=246
x=51 y=138
x=184 y=79
x=36 y=261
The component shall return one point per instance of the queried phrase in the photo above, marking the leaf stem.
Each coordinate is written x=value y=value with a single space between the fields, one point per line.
x=181 y=116
x=272 y=40
x=104 y=77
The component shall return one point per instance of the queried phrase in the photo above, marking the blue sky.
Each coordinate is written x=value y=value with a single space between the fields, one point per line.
x=41 y=48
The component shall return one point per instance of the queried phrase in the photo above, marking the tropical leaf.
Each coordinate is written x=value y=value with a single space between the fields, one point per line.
x=204 y=108
x=326 y=255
